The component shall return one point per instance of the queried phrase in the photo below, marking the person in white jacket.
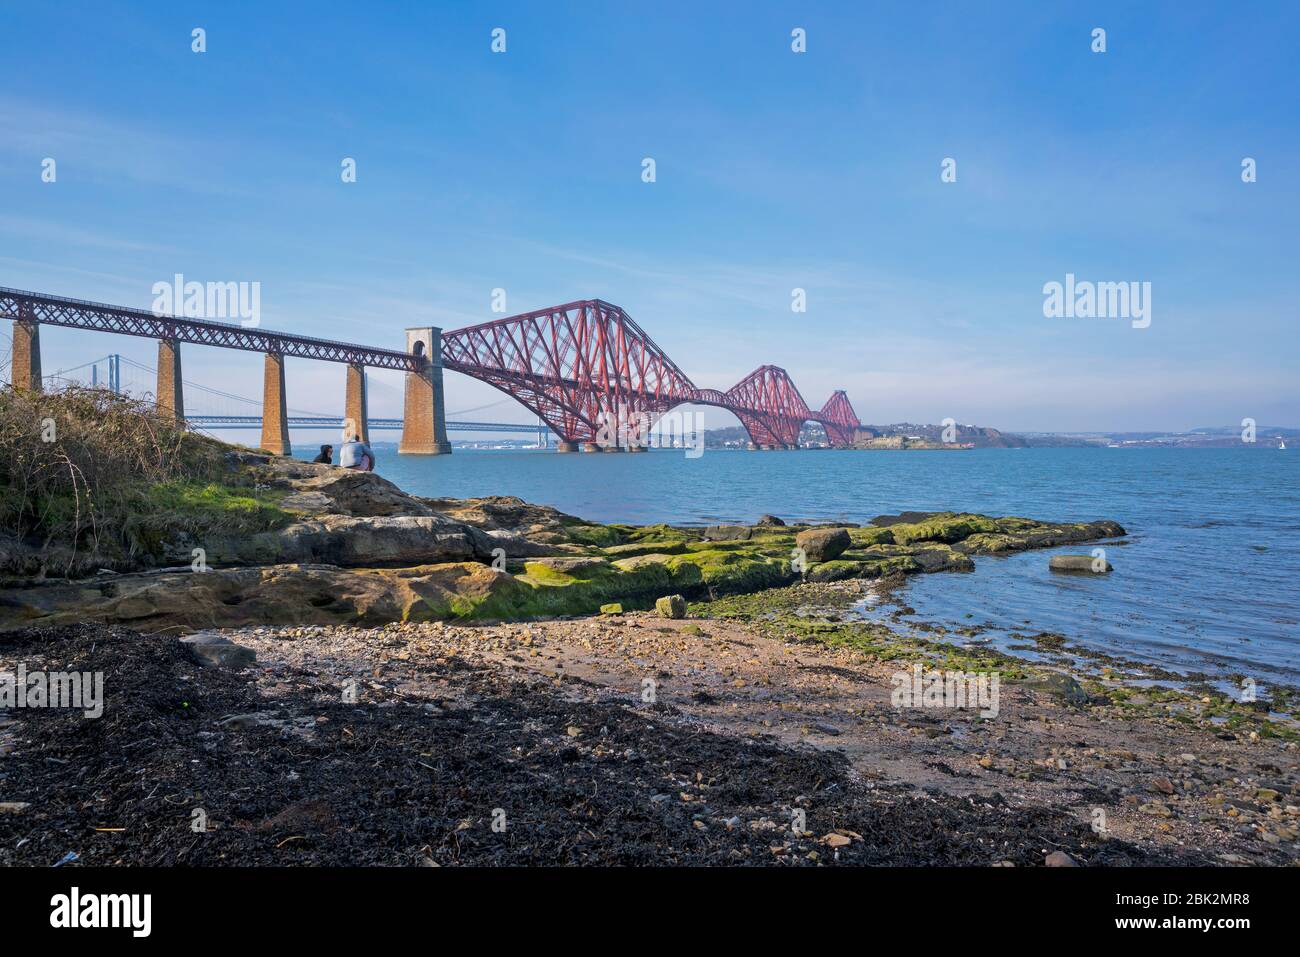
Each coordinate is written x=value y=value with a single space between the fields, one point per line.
x=355 y=454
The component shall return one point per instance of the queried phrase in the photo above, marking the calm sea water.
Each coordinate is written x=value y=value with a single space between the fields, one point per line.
x=1209 y=579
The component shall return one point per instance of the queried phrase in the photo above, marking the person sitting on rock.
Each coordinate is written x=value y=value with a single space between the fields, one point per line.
x=326 y=456
x=355 y=454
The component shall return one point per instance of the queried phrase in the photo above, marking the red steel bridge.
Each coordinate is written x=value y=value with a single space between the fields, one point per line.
x=581 y=367
x=586 y=363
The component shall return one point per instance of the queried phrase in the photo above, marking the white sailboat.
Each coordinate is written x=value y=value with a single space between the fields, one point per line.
x=1281 y=443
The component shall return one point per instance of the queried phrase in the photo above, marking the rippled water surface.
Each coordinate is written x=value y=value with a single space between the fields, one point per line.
x=1208 y=579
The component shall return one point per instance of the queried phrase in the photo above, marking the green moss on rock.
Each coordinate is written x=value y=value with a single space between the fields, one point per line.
x=945 y=527
x=835 y=570
x=635 y=582
x=647 y=547
x=601 y=536
x=863 y=537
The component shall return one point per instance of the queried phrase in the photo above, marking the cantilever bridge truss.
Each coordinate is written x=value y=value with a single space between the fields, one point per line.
x=581 y=367
x=586 y=364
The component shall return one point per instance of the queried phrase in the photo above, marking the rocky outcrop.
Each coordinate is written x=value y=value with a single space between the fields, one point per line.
x=836 y=570
x=351 y=547
x=505 y=513
x=323 y=594
x=349 y=541
x=902 y=518
x=576 y=565
x=1020 y=534
x=656 y=547
x=327 y=495
x=358 y=519
x=325 y=489
x=234 y=597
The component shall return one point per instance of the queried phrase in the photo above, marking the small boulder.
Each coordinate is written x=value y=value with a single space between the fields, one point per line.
x=215 y=651
x=769 y=521
x=1059 y=859
x=1079 y=564
x=1062 y=687
x=671 y=606
x=613 y=608
x=823 y=544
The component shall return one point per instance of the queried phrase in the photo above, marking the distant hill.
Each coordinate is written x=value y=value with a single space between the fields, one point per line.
x=985 y=437
x=977 y=436
x=1266 y=437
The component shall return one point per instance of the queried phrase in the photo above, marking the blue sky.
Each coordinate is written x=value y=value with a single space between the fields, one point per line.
x=775 y=170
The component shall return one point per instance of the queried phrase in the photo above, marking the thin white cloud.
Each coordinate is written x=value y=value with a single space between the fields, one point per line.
x=28 y=228
x=99 y=148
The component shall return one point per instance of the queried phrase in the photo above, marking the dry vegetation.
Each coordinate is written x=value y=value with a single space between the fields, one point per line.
x=92 y=479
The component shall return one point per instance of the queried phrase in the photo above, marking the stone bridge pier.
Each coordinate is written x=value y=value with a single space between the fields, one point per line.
x=424 y=416
x=275 y=410
x=355 y=408
x=170 y=394
x=25 y=365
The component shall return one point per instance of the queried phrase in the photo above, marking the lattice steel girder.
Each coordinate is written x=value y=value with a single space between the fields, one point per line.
x=839 y=419
x=586 y=363
x=575 y=365
x=769 y=389
x=79 y=314
x=777 y=409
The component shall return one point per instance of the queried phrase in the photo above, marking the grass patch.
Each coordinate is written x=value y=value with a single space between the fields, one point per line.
x=202 y=509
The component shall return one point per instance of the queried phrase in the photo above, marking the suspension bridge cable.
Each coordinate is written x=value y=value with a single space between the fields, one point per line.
x=480 y=408
x=225 y=395
x=62 y=375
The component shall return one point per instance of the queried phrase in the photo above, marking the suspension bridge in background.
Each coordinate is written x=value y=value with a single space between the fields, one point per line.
x=585 y=368
x=224 y=410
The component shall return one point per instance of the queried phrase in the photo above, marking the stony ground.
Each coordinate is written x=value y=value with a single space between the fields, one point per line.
x=1157 y=782
x=626 y=740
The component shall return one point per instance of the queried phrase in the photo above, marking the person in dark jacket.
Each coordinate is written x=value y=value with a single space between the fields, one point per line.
x=326 y=456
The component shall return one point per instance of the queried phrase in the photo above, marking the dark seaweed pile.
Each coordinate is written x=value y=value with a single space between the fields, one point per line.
x=400 y=780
